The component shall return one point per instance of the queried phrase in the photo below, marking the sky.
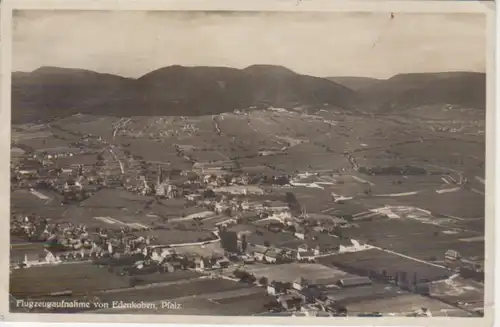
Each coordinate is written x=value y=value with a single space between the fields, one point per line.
x=133 y=43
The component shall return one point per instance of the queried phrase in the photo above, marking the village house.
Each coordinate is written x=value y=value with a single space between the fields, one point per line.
x=290 y=301
x=223 y=263
x=354 y=281
x=271 y=256
x=248 y=260
x=169 y=267
x=221 y=206
x=276 y=206
x=451 y=255
x=303 y=248
x=352 y=245
x=57 y=153
x=254 y=205
x=310 y=294
x=208 y=168
x=248 y=216
x=276 y=288
x=300 y=284
x=300 y=233
x=227 y=222
x=282 y=217
x=306 y=248
x=305 y=255
x=267 y=255
x=201 y=264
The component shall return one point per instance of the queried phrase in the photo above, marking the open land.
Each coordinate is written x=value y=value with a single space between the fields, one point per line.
x=361 y=194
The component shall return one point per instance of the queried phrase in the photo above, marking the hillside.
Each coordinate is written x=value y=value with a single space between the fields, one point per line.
x=355 y=83
x=55 y=92
x=49 y=93
x=170 y=91
x=406 y=91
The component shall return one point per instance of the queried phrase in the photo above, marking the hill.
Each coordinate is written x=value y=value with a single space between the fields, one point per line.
x=354 y=82
x=56 y=92
x=406 y=91
x=170 y=91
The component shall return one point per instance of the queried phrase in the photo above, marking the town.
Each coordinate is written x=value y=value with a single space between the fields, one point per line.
x=115 y=215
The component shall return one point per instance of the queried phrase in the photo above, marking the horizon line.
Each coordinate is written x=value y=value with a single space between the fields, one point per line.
x=269 y=65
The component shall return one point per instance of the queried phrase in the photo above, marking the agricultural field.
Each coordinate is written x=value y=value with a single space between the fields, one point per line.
x=293 y=271
x=19 y=248
x=83 y=124
x=42 y=143
x=380 y=261
x=80 y=278
x=236 y=302
x=192 y=288
x=466 y=205
x=172 y=236
x=176 y=276
x=26 y=203
x=206 y=250
x=406 y=236
x=466 y=293
x=406 y=304
x=116 y=198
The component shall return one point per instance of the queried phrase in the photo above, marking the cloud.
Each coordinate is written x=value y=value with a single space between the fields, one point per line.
x=132 y=43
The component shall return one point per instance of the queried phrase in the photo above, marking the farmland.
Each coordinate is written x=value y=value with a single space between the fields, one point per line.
x=241 y=170
x=234 y=302
x=294 y=271
x=79 y=278
x=469 y=294
x=405 y=236
x=381 y=261
x=406 y=304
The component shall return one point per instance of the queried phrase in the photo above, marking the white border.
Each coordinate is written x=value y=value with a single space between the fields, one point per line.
x=251 y=5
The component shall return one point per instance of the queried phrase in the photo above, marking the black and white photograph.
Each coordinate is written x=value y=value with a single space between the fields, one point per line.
x=248 y=163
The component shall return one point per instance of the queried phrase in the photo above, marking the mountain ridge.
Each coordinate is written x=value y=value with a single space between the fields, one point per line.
x=53 y=92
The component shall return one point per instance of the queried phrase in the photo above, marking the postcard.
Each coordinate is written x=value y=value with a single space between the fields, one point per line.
x=263 y=162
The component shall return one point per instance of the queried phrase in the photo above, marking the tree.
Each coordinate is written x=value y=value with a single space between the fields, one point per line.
x=239 y=274
x=290 y=198
x=338 y=232
x=244 y=243
x=251 y=278
x=263 y=280
x=229 y=241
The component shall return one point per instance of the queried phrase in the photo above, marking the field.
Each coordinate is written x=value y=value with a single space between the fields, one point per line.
x=26 y=203
x=114 y=198
x=25 y=199
x=233 y=306
x=275 y=239
x=206 y=250
x=405 y=304
x=380 y=261
x=20 y=248
x=101 y=217
x=458 y=289
x=460 y=204
x=288 y=142
x=293 y=271
x=246 y=301
x=166 y=277
x=457 y=153
x=193 y=288
x=164 y=237
x=79 y=278
x=406 y=236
